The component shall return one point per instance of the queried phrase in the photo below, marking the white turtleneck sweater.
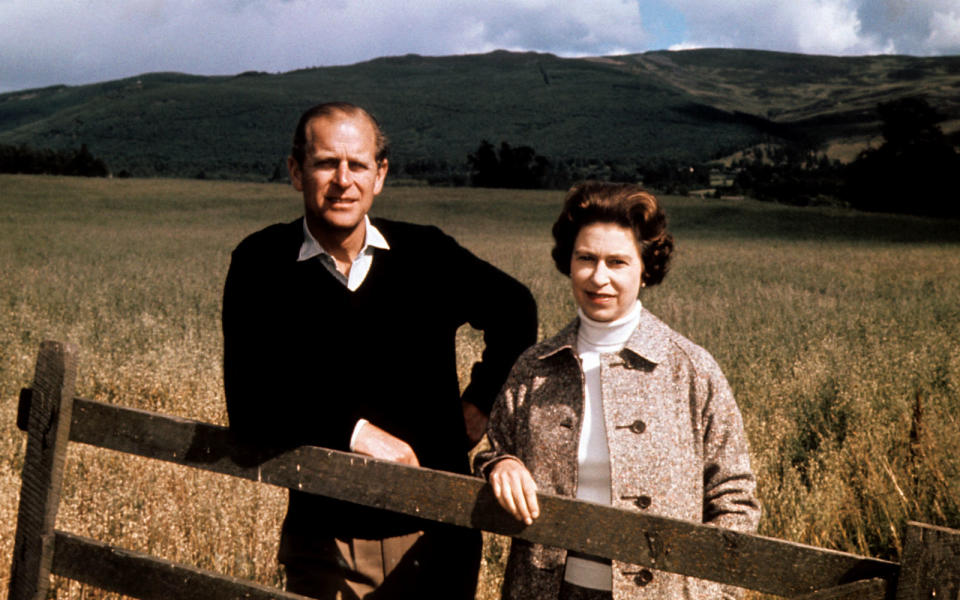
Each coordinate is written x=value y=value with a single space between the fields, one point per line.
x=593 y=458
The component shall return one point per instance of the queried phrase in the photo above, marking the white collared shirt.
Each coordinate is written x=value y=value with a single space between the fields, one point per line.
x=361 y=264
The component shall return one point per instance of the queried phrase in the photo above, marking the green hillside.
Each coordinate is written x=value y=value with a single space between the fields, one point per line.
x=690 y=105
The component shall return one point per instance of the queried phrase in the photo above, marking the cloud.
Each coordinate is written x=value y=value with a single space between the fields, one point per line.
x=842 y=27
x=806 y=26
x=73 y=42
x=45 y=42
x=914 y=26
x=945 y=32
x=465 y=26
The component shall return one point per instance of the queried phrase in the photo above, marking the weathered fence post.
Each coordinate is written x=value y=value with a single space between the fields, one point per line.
x=930 y=569
x=48 y=430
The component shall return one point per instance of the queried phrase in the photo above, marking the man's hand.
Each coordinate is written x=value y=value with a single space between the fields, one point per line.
x=475 y=421
x=515 y=490
x=375 y=442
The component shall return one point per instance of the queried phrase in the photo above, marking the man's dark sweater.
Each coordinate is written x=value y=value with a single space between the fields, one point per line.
x=305 y=358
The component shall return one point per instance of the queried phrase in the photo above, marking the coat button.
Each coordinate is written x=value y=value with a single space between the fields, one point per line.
x=643 y=577
x=637 y=427
x=639 y=501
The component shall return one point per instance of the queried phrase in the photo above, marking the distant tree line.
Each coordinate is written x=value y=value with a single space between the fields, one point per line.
x=521 y=167
x=792 y=174
x=915 y=170
x=507 y=167
x=31 y=161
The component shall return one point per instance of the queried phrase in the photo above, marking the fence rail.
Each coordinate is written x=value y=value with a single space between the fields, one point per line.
x=52 y=417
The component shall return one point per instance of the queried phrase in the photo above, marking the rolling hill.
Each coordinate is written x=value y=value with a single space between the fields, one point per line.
x=690 y=105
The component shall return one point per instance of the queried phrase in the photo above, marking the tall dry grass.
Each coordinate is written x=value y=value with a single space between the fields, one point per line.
x=838 y=332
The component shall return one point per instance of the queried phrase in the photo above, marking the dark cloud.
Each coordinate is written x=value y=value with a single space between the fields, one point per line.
x=920 y=27
x=913 y=27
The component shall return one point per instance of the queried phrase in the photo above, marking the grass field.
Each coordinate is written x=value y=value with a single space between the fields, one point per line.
x=833 y=327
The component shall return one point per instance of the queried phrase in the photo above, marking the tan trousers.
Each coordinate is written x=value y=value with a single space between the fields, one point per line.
x=418 y=565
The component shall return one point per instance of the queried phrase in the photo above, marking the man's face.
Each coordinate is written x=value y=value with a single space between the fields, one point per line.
x=339 y=176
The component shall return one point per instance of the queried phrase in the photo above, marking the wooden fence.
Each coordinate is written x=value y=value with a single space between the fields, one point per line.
x=52 y=417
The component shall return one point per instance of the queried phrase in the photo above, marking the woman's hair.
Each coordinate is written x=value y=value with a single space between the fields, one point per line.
x=624 y=204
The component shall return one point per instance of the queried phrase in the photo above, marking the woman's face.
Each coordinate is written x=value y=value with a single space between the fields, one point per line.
x=605 y=269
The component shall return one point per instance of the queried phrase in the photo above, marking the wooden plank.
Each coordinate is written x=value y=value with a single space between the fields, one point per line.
x=931 y=563
x=48 y=429
x=148 y=577
x=864 y=589
x=750 y=561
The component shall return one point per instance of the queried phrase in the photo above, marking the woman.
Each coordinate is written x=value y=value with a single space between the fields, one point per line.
x=617 y=408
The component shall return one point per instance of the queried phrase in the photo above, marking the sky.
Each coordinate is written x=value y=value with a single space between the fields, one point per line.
x=49 y=42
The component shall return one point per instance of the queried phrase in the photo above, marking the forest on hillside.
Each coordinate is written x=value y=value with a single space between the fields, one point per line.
x=707 y=122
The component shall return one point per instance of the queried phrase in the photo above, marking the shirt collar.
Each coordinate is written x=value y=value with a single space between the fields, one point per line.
x=311 y=247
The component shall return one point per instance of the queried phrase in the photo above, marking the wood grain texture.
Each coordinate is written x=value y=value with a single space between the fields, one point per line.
x=931 y=564
x=864 y=589
x=48 y=429
x=750 y=561
x=148 y=577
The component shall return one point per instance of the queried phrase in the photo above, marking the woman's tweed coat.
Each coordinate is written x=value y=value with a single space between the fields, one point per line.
x=677 y=447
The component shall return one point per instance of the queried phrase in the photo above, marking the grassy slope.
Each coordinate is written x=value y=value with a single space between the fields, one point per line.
x=795 y=87
x=827 y=98
x=658 y=104
x=828 y=324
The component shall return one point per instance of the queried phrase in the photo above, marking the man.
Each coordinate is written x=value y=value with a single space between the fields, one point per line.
x=339 y=331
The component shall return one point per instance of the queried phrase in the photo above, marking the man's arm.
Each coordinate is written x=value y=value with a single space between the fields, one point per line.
x=506 y=312
x=373 y=441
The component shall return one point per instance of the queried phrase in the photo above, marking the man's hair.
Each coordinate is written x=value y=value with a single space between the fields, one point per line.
x=331 y=109
x=624 y=204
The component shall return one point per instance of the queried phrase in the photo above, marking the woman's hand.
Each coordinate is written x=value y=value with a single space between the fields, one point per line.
x=515 y=490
